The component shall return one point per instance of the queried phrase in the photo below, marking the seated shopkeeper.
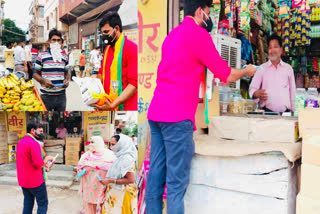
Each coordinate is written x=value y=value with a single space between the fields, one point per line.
x=273 y=87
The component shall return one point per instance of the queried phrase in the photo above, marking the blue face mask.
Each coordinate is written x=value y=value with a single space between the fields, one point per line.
x=208 y=24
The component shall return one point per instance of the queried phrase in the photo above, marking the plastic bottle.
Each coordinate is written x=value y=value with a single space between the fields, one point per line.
x=312 y=98
x=299 y=100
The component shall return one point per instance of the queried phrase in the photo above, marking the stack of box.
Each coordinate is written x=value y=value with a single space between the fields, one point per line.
x=73 y=149
x=308 y=200
x=3 y=144
x=263 y=182
x=255 y=128
x=54 y=147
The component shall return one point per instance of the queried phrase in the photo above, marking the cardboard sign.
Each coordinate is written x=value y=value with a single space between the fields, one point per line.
x=102 y=130
x=17 y=122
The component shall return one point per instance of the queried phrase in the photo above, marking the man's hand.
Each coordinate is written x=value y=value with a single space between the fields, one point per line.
x=47 y=158
x=47 y=83
x=65 y=83
x=105 y=107
x=106 y=181
x=250 y=70
x=260 y=94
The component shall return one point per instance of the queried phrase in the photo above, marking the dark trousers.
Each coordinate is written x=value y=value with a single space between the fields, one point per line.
x=268 y=110
x=55 y=102
x=30 y=70
x=40 y=194
x=172 y=148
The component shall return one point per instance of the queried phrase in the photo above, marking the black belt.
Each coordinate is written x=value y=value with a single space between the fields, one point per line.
x=20 y=64
x=268 y=110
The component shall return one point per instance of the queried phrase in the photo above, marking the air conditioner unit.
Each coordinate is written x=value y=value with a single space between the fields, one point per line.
x=230 y=50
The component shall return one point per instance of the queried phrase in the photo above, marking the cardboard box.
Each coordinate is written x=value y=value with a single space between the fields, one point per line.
x=71 y=162
x=102 y=130
x=72 y=155
x=254 y=129
x=310 y=179
x=73 y=140
x=307 y=205
x=13 y=137
x=273 y=130
x=73 y=147
x=225 y=127
x=72 y=158
x=309 y=121
x=12 y=152
x=74 y=144
x=311 y=150
x=54 y=142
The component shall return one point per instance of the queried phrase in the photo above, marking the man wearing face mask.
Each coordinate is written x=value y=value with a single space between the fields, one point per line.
x=51 y=71
x=119 y=66
x=274 y=86
x=31 y=161
x=186 y=51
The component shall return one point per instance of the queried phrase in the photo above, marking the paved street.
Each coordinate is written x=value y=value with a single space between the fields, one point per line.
x=62 y=190
x=60 y=201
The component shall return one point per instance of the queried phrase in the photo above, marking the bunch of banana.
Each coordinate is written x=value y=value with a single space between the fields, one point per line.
x=9 y=81
x=28 y=103
x=26 y=85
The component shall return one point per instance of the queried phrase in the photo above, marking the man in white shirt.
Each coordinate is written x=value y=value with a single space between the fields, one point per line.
x=95 y=60
x=27 y=49
x=21 y=67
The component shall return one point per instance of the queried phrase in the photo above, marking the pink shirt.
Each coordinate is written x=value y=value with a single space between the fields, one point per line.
x=279 y=84
x=61 y=133
x=29 y=163
x=185 y=52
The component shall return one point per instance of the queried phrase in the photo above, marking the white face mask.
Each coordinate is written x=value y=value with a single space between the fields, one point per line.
x=56 y=52
x=55 y=45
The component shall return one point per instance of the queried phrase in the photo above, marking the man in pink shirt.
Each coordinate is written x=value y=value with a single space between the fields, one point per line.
x=186 y=51
x=61 y=131
x=274 y=87
x=30 y=169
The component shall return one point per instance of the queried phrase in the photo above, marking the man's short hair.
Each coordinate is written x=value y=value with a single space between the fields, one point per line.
x=275 y=37
x=21 y=40
x=28 y=42
x=118 y=130
x=55 y=32
x=8 y=44
x=33 y=125
x=112 y=18
x=190 y=6
x=82 y=51
x=98 y=47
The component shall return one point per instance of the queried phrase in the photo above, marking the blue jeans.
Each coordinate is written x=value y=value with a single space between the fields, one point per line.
x=10 y=70
x=40 y=194
x=172 y=148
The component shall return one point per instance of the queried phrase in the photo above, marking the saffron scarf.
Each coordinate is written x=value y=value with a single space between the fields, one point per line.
x=115 y=71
